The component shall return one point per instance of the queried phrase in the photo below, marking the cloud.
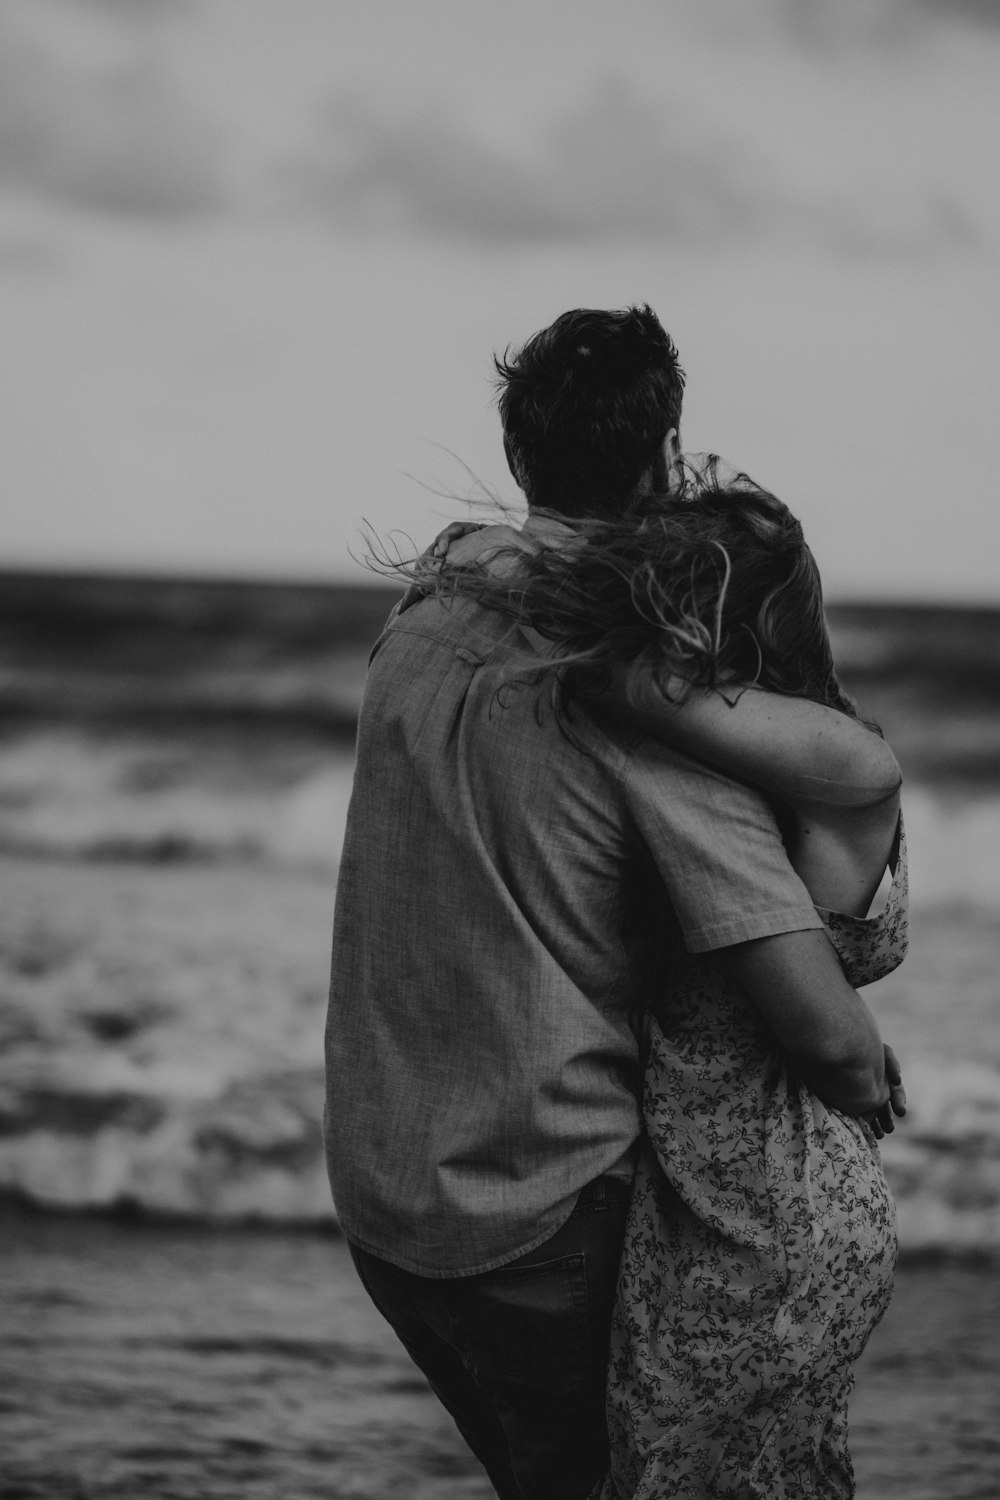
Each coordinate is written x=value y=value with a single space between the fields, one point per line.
x=146 y=107
x=987 y=11
x=617 y=167
x=90 y=112
x=621 y=160
x=426 y=173
x=613 y=167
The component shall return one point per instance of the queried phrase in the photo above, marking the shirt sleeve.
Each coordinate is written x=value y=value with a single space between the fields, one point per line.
x=716 y=845
x=871 y=947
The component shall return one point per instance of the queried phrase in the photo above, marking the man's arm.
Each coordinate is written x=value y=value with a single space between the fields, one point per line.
x=727 y=877
x=826 y=1030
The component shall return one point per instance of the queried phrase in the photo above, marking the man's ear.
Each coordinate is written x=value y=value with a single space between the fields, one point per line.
x=660 y=474
x=671 y=458
x=509 y=455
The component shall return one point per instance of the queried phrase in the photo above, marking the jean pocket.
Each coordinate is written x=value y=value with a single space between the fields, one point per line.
x=532 y=1323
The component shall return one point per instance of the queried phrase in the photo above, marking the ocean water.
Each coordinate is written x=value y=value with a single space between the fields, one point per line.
x=177 y=1363
x=182 y=1365
x=175 y=766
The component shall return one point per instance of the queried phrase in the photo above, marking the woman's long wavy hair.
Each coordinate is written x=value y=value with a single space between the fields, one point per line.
x=715 y=588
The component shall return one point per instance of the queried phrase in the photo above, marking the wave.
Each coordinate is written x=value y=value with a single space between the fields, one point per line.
x=161 y=1020
x=941 y=1160
x=953 y=838
x=161 y=1043
x=68 y=794
x=77 y=796
x=253 y=1155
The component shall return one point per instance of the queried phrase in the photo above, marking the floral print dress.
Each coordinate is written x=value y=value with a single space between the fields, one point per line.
x=759 y=1252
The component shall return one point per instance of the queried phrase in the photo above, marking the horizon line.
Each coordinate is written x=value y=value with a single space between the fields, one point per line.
x=206 y=579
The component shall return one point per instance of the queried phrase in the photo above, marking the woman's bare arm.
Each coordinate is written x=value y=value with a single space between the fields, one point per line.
x=841 y=853
x=800 y=750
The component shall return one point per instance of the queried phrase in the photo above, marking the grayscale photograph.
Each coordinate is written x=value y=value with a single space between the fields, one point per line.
x=499 y=750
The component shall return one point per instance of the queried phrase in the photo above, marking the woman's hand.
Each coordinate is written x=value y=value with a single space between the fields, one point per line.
x=465 y=542
x=881 y=1121
x=431 y=558
x=442 y=543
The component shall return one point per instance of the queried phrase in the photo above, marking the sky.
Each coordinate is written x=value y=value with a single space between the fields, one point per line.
x=255 y=260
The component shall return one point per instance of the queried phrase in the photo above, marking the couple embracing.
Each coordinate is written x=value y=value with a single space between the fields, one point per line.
x=603 y=1099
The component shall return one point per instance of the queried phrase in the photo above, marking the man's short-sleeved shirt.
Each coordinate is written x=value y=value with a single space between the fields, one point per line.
x=504 y=885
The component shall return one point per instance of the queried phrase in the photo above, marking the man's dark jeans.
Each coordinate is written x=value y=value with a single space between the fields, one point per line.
x=519 y=1356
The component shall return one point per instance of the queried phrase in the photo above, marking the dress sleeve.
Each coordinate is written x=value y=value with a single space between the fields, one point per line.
x=871 y=947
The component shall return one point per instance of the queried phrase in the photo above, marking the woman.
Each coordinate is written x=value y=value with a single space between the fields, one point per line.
x=761 y=1240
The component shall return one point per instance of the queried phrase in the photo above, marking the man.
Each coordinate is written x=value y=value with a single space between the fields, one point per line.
x=501 y=887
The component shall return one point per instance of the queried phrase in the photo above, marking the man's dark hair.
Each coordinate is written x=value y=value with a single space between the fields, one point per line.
x=586 y=405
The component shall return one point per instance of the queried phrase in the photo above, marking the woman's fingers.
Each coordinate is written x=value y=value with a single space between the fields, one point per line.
x=882 y=1120
x=894 y=1078
x=451 y=533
